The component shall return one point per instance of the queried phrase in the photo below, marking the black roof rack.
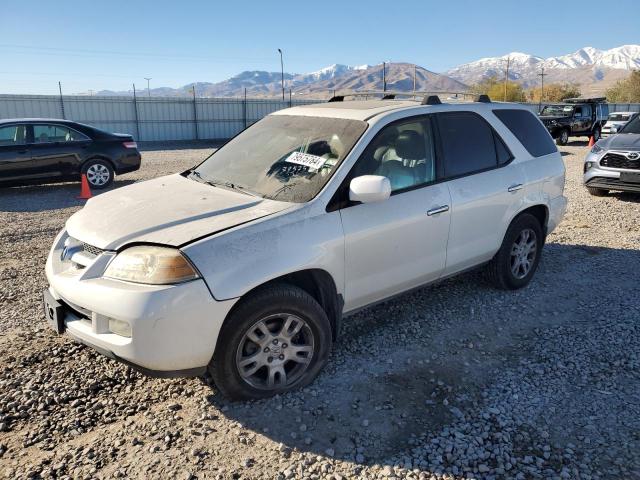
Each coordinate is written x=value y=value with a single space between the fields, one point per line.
x=586 y=100
x=431 y=100
x=483 y=99
x=392 y=95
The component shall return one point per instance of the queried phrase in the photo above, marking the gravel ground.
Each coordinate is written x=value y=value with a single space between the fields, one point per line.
x=457 y=380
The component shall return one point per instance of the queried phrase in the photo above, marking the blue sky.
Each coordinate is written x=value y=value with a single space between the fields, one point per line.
x=96 y=45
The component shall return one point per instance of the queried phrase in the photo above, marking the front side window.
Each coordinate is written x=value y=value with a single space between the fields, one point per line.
x=13 y=135
x=468 y=143
x=55 y=134
x=403 y=152
x=282 y=157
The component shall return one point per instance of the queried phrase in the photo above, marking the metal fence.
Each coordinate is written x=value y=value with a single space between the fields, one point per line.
x=150 y=118
x=166 y=118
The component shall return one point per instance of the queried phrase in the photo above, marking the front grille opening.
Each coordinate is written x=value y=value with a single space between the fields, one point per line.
x=617 y=160
x=95 y=251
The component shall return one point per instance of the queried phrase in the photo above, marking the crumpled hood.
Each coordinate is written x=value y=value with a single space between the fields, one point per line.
x=171 y=210
x=621 y=141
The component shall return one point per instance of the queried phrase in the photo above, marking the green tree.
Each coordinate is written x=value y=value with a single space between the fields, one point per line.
x=554 y=92
x=495 y=88
x=627 y=90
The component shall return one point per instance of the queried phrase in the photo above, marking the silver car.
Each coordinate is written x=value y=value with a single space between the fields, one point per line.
x=614 y=162
x=616 y=121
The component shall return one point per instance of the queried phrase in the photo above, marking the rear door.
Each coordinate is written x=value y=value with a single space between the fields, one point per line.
x=484 y=185
x=15 y=156
x=57 y=150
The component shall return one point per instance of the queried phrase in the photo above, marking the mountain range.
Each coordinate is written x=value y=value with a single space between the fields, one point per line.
x=594 y=70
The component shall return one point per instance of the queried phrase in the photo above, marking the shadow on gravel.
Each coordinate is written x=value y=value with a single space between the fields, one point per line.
x=406 y=370
x=55 y=196
x=626 y=196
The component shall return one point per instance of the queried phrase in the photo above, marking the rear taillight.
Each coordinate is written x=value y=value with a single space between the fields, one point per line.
x=130 y=145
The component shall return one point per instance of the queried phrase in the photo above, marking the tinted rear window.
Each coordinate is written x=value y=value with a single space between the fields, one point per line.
x=526 y=128
x=467 y=142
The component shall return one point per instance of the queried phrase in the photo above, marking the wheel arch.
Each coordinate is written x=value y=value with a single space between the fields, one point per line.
x=540 y=212
x=316 y=282
x=98 y=157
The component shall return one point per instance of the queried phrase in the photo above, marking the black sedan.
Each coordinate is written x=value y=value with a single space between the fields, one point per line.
x=50 y=150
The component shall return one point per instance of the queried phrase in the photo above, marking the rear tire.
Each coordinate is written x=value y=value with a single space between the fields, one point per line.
x=597 y=192
x=99 y=173
x=517 y=260
x=258 y=355
x=563 y=137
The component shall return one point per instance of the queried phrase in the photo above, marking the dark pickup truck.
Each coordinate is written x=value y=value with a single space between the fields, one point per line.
x=576 y=117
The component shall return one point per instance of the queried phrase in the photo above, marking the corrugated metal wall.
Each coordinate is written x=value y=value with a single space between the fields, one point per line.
x=166 y=118
x=150 y=118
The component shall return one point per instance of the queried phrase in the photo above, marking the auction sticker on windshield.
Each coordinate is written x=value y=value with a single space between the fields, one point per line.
x=312 y=161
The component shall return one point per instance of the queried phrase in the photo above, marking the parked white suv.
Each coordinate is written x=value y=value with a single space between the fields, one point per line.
x=245 y=265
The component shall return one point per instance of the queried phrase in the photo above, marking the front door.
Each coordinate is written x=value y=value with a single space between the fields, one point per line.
x=399 y=243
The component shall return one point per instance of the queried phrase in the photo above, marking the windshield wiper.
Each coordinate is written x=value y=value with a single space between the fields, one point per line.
x=197 y=176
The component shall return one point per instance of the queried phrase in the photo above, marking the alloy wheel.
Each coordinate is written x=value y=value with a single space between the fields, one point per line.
x=98 y=174
x=523 y=253
x=275 y=352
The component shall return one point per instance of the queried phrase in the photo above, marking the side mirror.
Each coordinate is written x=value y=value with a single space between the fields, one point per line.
x=369 y=188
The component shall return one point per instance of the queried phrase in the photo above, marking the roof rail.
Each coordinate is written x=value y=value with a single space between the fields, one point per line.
x=392 y=95
x=483 y=99
x=431 y=100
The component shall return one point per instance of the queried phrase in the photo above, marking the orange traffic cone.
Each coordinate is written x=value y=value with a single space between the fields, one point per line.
x=591 y=141
x=85 y=191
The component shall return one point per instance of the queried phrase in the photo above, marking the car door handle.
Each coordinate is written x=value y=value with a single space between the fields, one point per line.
x=515 y=188
x=437 y=210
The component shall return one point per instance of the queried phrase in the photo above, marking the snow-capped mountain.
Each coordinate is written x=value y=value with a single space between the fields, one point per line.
x=326 y=73
x=587 y=65
x=318 y=84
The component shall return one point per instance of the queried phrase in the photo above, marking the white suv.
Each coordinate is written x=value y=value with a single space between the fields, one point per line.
x=245 y=265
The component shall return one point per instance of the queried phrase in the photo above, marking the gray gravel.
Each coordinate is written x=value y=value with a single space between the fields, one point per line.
x=456 y=380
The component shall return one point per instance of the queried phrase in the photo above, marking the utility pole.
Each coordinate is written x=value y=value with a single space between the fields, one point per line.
x=414 y=80
x=281 y=73
x=541 y=75
x=384 y=76
x=61 y=100
x=506 y=79
x=148 y=79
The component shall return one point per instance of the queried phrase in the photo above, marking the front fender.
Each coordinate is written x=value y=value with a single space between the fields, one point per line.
x=236 y=261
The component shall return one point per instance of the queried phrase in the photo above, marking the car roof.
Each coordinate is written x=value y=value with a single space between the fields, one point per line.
x=367 y=109
x=351 y=109
x=35 y=120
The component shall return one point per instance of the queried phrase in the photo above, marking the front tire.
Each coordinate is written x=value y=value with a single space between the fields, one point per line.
x=597 y=192
x=517 y=260
x=276 y=340
x=563 y=138
x=99 y=173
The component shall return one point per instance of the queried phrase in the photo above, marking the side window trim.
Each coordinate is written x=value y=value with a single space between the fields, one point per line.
x=496 y=137
x=56 y=125
x=340 y=199
x=26 y=134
